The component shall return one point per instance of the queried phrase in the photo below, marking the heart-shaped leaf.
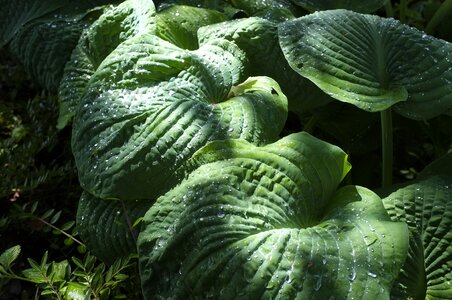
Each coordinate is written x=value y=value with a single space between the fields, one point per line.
x=258 y=38
x=267 y=223
x=426 y=207
x=151 y=105
x=364 y=6
x=130 y=18
x=177 y=24
x=371 y=62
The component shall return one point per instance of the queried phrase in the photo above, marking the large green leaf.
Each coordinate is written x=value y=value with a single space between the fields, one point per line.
x=43 y=37
x=365 y=6
x=151 y=105
x=106 y=226
x=259 y=39
x=15 y=14
x=371 y=62
x=130 y=18
x=441 y=166
x=426 y=207
x=267 y=223
x=276 y=10
x=177 y=24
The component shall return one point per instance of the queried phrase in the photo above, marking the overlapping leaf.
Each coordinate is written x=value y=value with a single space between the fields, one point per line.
x=276 y=10
x=426 y=207
x=43 y=36
x=371 y=62
x=151 y=105
x=266 y=223
x=259 y=39
x=128 y=19
x=364 y=6
x=177 y=24
x=15 y=14
x=107 y=227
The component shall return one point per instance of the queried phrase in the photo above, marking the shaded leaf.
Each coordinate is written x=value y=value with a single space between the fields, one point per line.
x=426 y=208
x=103 y=226
x=9 y=256
x=258 y=38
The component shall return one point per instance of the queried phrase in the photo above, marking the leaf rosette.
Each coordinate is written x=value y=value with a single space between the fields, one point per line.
x=267 y=222
x=150 y=105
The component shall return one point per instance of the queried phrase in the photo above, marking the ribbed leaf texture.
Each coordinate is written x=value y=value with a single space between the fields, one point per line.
x=364 y=6
x=177 y=24
x=117 y=24
x=276 y=10
x=371 y=62
x=43 y=36
x=426 y=207
x=15 y=14
x=267 y=223
x=151 y=105
x=259 y=39
x=106 y=226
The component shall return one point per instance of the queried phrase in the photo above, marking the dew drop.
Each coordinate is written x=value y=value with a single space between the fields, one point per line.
x=318 y=283
x=352 y=275
x=373 y=275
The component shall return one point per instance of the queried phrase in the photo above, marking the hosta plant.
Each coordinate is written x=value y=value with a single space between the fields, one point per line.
x=178 y=112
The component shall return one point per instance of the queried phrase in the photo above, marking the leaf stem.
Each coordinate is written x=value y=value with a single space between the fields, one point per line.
x=388 y=9
x=439 y=15
x=310 y=125
x=59 y=230
x=129 y=223
x=386 y=140
x=402 y=11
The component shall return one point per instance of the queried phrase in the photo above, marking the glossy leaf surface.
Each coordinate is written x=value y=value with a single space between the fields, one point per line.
x=267 y=223
x=258 y=38
x=371 y=62
x=151 y=105
x=364 y=6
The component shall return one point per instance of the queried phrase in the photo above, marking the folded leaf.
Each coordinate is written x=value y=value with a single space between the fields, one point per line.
x=426 y=207
x=150 y=105
x=15 y=14
x=130 y=18
x=366 y=6
x=371 y=62
x=267 y=223
x=42 y=38
x=177 y=25
x=258 y=38
x=106 y=227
